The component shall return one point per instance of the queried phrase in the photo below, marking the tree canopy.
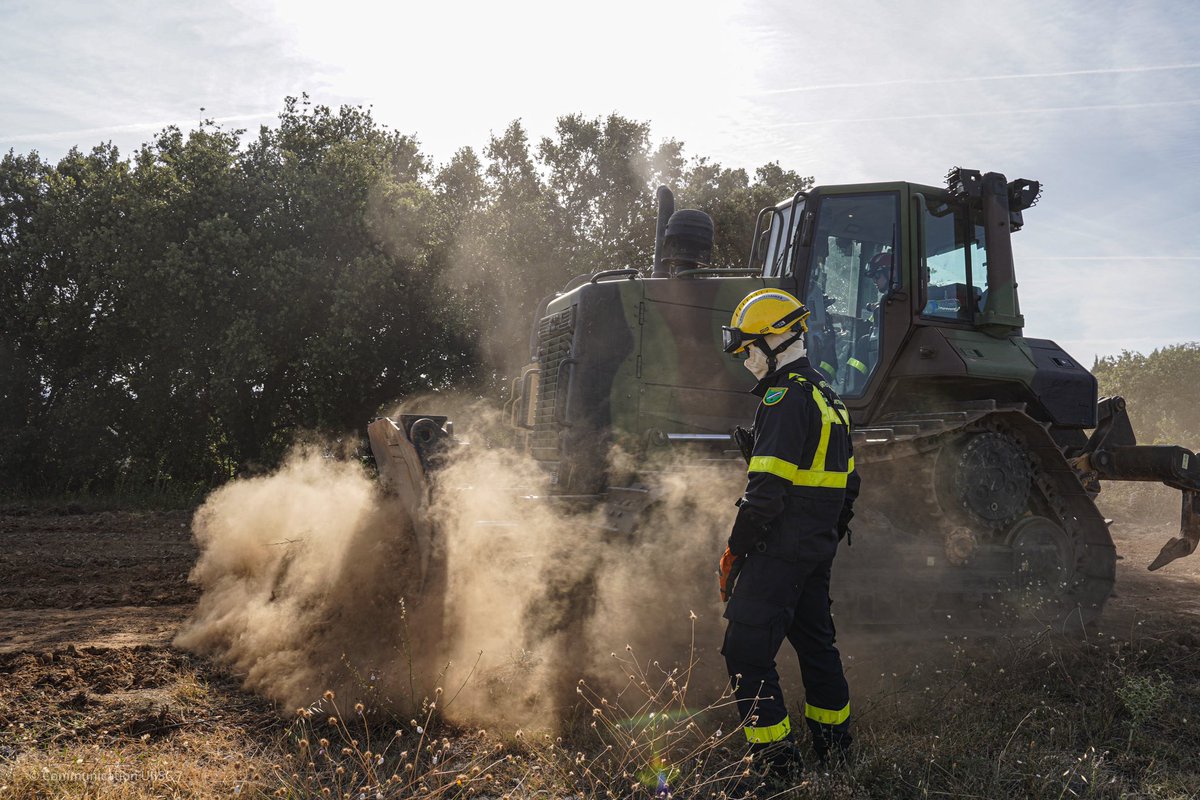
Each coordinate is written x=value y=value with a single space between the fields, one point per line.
x=177 y=316
x=1159 y=390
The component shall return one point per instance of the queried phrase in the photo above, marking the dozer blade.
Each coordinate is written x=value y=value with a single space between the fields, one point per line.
x=398 y=452
x=1189 y=533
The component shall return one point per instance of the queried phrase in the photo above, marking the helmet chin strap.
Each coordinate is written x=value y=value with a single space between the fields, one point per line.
x=772 y=353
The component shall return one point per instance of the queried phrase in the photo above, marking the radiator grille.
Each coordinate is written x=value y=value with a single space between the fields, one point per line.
x=555 y=333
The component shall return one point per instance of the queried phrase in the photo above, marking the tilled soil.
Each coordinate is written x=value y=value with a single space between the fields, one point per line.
x=94 y=701
x=91 y=694
x=78 y=560
x=1169 y=596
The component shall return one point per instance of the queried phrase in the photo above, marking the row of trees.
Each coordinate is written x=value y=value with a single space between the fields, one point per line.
x=171 y=318
x=1159 y=389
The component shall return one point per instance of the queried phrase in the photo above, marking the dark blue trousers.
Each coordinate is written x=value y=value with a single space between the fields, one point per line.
x=775 y=599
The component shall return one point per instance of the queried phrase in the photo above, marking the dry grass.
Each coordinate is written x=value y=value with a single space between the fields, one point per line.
x=1029 y=715
x=216 y=763
x=1035 y=716
x=645 y=741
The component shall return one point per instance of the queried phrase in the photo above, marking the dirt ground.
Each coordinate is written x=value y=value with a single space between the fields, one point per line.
x=93 y=697
x=94 y=701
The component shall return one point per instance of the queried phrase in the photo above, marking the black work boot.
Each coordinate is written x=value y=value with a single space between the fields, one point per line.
x=831 y=744
x=780 y=762
x=744 y=787
x=770 y=768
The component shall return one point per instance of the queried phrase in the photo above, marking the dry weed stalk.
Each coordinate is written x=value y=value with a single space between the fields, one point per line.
x=644 y=742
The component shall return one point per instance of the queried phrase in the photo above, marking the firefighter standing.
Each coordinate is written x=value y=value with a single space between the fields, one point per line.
x=775 y=572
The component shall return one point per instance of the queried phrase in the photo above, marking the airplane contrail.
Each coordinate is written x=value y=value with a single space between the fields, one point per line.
x=971 y=78
x=129 y=127
x=988 y=113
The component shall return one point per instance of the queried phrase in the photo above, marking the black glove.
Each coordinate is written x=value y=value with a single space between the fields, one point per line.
x=744 y=439
x=748 y=530
x=843 y=525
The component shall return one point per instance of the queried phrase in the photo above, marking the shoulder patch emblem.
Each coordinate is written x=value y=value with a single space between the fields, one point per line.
x=773 y=396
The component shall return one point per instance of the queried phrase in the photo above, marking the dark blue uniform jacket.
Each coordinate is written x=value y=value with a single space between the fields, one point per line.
x=801 y=483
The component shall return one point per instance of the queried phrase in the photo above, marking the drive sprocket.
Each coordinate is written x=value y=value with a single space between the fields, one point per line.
x=991 y=480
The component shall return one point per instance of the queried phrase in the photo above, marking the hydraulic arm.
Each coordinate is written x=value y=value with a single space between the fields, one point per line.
x=1112 y=453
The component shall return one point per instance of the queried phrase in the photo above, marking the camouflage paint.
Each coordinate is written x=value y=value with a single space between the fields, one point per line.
x=645 y=358
x=645 y=362
x=687 y=384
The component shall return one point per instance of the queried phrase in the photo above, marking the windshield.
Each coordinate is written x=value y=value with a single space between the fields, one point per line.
x=854 y=263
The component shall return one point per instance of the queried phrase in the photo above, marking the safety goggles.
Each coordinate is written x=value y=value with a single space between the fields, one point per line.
x=735 y=339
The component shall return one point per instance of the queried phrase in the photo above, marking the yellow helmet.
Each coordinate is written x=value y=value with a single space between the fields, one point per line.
x=760 y=313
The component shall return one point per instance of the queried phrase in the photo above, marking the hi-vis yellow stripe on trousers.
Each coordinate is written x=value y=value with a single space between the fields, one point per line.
x=826 y=716
x=769 y=733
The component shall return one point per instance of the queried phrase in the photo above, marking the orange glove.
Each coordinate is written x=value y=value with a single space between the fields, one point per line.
x=731 y=565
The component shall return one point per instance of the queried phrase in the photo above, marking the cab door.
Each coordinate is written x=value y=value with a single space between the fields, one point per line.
x=854 y=287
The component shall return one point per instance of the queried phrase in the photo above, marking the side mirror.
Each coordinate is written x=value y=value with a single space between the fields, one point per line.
x=806 y=226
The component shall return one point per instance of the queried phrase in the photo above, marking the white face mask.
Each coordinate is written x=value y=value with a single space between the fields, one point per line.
x=756 y=362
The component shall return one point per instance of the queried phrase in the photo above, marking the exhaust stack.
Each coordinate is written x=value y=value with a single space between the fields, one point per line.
x=666 y=207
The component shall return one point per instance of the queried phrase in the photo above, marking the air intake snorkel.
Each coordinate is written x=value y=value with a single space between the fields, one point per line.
x=666 y=207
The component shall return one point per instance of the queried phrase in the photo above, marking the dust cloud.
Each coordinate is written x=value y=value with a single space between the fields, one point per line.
x=299 y=568
x=548 y=592
x=311 y=580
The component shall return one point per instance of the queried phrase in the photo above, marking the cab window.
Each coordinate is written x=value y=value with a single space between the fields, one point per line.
x=854 y=263
x=779 y=240
x=953 y=265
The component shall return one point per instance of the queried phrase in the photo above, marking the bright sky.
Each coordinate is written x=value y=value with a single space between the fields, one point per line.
x=1099 y=100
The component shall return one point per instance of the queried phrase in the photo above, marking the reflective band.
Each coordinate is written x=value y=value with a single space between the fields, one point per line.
x=850 y=465
x=771 y=733
x=799 y=477
x=858 y=365
x=838 y=415
x=825 y=716
x=776 y=466
x=822 y=479
x=827 y=367
x=827 y=421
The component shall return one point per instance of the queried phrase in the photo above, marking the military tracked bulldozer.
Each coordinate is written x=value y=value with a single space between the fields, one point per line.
x=981 y=449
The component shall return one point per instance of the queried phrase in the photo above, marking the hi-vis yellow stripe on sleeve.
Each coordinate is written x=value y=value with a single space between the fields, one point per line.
x=776 y=466
x=799 y=477
x=825 y=716
x=769 y=733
